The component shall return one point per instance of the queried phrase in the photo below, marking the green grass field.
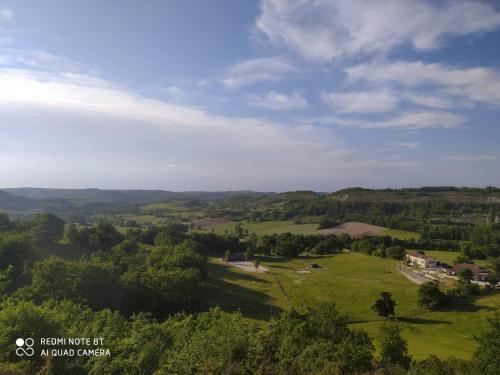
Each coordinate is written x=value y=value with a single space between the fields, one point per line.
x=401 y=234
x=353 y=281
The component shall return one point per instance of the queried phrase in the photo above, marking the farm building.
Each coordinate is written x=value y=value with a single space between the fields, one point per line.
x=417 y=259
x=480 y=273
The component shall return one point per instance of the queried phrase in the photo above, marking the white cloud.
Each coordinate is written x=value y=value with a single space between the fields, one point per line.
x=256 y=70
x=473 y=158
x=6 y=13
x=407 y=120
x=333 y=120
x=328 y=29
x=429 y=101
x=278 y=102
x=477 y=84
x=40 y=60
x=407 y=145
x=363 y=101
x=419 y=120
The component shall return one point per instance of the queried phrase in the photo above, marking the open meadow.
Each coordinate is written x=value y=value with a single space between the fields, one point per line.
x=353 y=281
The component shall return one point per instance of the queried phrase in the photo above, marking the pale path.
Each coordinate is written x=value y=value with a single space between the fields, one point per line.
x=248 y=266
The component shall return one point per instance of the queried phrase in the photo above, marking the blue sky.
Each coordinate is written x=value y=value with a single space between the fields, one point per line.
x=263 y=95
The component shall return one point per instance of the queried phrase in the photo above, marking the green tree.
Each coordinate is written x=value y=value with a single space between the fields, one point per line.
x=249 y=254
x=492 y=279
x=487 y=355
x=4 y=281
x=437 y=366
x=393 y=347
x=396 y=252
x=465 y=275
x=4 y=221
x=47 y=228
x=171 y=234
x=317 y=341
x=430 y=296
x=384 y=306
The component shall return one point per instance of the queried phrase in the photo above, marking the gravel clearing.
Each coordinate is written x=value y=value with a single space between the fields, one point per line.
x=249 y=266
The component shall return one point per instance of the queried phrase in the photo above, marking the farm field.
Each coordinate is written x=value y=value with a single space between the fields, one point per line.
x=401 y=234
x=354 y=229
x=353 y=281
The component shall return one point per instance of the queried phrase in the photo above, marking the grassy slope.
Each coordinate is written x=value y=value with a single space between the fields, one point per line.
x=353 y=281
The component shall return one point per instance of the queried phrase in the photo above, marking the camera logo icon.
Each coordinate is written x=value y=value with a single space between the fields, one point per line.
x=24 y=347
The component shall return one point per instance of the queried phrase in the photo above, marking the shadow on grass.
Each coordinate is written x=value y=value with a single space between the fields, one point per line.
x=467 y=305
x=219 y=270
x=413 y=320
x=222 y=290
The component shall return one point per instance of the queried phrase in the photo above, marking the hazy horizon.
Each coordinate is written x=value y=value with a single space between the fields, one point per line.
x=247 y=190
x=267 y=95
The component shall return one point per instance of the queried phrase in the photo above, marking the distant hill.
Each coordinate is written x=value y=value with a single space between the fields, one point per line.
x=442 y=193
x=127 y=196
x=17 y=203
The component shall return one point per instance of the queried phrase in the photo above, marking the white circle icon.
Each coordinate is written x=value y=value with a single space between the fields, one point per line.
x=19 y=342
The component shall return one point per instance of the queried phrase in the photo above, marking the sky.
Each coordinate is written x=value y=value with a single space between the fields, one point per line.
x=270 y=95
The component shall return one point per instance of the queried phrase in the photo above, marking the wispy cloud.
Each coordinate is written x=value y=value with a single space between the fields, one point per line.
x=362 y=101
x=473 y=158
x=419 y=120
x=477 y=84
x=256 y=70
x=407 y=145
x=326 y=30
x=405 y=121
x=278 y=102
x=429 y=101
x=39 y=60
x=6 y=13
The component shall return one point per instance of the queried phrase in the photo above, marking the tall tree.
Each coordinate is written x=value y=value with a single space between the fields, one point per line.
x=384 y=306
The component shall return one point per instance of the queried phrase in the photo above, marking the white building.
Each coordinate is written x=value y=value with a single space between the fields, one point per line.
x=417 y=259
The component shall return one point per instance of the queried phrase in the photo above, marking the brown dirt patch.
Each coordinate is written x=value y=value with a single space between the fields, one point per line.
x=354 y=229
x=210 y=222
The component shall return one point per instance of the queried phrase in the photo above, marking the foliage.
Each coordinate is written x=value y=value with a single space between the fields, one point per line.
x=384 y=306
x=430 y=296
x=436 y=366
x=393 y=347
x=487 y=356
x=46 y=228
x=317 y=341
